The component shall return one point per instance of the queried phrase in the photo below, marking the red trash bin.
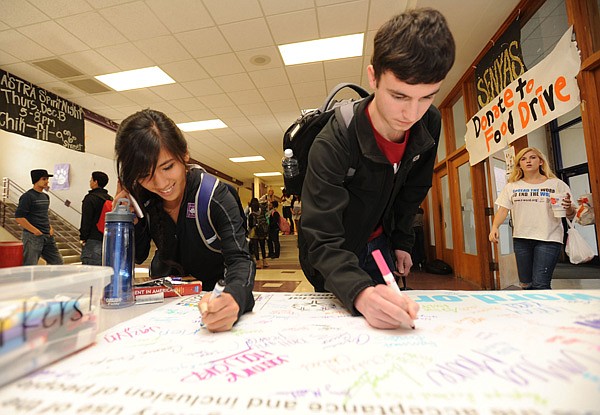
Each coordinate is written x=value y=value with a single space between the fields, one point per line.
x=11 y=254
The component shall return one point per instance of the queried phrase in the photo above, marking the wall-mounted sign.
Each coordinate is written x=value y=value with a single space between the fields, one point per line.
x=540 y=95
x=500 y=66
x=31 y=111
x=60 y=181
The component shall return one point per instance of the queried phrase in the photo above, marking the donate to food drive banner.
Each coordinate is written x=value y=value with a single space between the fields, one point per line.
x=540 y=95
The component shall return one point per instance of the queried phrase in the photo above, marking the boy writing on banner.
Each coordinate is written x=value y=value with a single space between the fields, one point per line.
x=397 y=131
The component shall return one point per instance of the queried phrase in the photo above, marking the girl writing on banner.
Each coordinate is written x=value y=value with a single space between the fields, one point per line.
x=537 y=233
x=152 y=157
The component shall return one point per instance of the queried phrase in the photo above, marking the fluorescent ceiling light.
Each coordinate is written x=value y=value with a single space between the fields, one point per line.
x=201 y=125
x=268 y=174
x=322 y=49
x=246 y=159
x=136 y=78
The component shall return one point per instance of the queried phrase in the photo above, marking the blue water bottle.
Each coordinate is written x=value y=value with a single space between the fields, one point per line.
x=118 y=252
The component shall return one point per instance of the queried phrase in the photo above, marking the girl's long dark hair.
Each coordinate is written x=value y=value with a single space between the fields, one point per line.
x=138 y=143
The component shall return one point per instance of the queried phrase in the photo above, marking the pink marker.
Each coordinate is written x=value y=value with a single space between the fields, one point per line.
x=387 y=274
x=385 y=271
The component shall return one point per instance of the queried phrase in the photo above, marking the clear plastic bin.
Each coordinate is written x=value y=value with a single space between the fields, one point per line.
x=46 y=313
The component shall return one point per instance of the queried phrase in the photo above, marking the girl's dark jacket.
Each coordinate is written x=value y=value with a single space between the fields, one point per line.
x=183 y=244
x=339 y=215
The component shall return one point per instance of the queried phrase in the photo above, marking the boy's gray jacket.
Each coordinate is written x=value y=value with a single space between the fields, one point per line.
x=338 y=218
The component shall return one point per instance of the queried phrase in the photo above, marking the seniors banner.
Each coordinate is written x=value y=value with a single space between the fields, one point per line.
x=540 y=95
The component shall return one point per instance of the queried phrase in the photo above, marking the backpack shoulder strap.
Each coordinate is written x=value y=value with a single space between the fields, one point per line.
x=345 y=114
x=206 y=190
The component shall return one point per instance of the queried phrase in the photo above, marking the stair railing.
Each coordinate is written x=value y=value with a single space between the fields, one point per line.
x=11 y=192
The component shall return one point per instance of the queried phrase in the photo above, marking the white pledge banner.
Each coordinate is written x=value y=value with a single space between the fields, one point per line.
x=545 y=92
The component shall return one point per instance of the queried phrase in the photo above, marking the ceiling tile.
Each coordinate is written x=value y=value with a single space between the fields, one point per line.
x=227 y=11
x=235 y=82
x=187 y=15
x=246 y=97
x=200 y=115
x=144 y=25
x=227 y=113
x=221 y=64
x=53 y=37
x=307 y=89
x=29 y=73
x=269 y=77
x=61 y=8
x=204 y=42
x=183 y=71
x=294 y=27
x=237 y=34
x=285 y=6
x=343 y=19
x=142 y=96
x=202 y=87
x=216 y=101
x=277 y=93
x=87 y=26
x=187 y=104
x=164 y=106
x=340 y=68
x=90 y=62
x=381 y=11
x=254 y=109
x=171 y=91
x=247 y=57
x=6 y=58
x=285 y=105
x=126 y=56
x=22 y=14
x=163 y=49
x=114 y=99
x=306 y=72
x=21 y=47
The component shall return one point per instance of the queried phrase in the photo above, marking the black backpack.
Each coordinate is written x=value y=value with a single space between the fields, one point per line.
x=301 y=134
x=437 y=266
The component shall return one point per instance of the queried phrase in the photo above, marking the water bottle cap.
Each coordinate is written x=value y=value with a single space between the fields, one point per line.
x=121 y=213
x=288 y=152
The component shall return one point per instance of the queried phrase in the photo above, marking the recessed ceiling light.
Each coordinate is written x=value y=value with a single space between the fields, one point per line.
x=268 y=174
x=201 y=125
x=322 y=49
x=246 y=159
x=136 y=78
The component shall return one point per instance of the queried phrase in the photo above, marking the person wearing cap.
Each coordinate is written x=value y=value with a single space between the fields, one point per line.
x=32 y=216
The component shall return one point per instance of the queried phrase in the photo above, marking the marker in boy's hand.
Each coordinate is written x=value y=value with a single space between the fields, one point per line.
x=386 y=307
x=219 y=310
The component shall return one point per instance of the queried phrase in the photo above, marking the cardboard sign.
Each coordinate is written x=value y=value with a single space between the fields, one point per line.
x=542 y=94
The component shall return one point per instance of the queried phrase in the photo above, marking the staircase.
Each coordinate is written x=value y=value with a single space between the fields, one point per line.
x=66 y=235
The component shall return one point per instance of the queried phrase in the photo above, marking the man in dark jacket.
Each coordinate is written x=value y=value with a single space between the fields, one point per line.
x=396 y=132
x=91 y=208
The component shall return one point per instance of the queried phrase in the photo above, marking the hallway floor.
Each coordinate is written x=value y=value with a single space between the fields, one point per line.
x=284 y=274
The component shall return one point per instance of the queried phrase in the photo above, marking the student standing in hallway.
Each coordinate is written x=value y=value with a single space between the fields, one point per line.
x=537 y=233
x=397 y=131
x=91 y=207
x=32 y=216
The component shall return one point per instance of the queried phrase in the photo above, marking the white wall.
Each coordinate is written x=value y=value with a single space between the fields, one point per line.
x=19 y=155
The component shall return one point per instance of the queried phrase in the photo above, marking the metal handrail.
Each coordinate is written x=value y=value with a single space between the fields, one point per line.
x=11 y=191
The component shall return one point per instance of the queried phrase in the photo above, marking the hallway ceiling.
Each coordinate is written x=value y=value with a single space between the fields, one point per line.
x=223 y=56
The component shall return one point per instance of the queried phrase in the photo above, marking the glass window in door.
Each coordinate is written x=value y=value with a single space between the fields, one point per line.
x=466 y=207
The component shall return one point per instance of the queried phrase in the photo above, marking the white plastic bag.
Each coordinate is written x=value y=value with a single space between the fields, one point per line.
x=577 y=248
